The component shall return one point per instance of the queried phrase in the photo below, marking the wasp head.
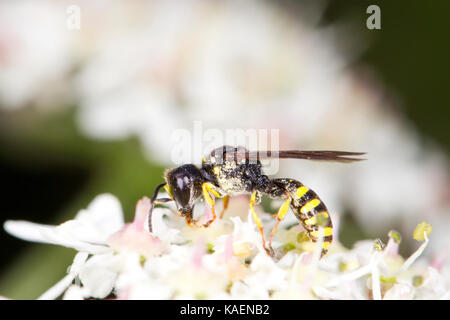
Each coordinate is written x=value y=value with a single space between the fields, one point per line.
x=184 y=186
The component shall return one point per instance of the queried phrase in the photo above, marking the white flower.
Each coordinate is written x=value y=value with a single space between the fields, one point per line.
x=88 y=232
x=266 y=274
x=434 y=286
x=100 y=231
x=399 y=292
x=126 y=261
x=246 y=238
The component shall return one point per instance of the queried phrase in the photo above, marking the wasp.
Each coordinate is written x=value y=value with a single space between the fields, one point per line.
x=228 y=171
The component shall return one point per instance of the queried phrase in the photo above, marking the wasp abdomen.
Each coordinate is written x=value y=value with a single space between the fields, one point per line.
x=307 y=207
x=313 y=214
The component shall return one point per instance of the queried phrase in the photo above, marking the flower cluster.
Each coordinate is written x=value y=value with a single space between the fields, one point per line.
x=226 y=260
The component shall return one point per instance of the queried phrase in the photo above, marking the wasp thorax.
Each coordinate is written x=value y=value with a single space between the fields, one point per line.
x=185 y=186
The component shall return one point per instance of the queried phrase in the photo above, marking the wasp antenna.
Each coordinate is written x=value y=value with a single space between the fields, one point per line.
x=152 y=204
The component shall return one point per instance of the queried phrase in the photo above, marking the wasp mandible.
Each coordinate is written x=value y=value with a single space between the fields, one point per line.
x=229 y=171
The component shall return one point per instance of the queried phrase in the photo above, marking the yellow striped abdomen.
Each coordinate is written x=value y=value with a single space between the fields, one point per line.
x=313 y=214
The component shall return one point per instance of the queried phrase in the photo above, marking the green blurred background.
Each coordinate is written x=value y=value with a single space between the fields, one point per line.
x=49 y=170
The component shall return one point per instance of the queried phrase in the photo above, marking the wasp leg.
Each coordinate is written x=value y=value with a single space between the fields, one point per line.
x=258 y=221
x=208 y=187
x=280 y=216
x=189 y=221
x=152 y=204
x=226 y=200
x=156 y=201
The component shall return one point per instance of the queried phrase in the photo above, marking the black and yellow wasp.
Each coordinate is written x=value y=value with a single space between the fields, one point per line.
x=228 y=171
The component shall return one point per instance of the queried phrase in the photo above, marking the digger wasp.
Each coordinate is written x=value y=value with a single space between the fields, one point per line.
x=229 y=171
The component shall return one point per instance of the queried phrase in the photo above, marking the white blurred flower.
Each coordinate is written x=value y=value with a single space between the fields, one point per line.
x=35 y=53
x=124 y=261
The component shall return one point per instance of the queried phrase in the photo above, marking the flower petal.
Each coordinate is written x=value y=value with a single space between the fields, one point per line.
x=99 y=274
x=49 y=234
x=103 y=217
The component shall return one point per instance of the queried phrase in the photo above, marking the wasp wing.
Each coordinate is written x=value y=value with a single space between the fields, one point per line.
x=320 y=155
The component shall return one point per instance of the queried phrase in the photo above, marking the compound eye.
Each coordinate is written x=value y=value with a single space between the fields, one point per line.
x=181 y=190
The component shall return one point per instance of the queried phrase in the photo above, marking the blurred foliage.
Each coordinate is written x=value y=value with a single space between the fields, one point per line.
x=409 y=55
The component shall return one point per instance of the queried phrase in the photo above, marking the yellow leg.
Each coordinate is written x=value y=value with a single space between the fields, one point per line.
x=258 y=221
x=190 y=222
x=280 y=216
x=226 y=199
x=207 y=187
